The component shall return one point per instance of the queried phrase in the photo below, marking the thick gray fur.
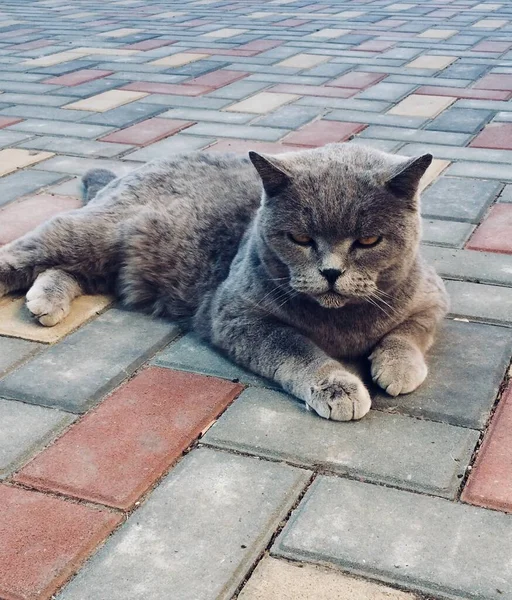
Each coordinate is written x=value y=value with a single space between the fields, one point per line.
x=194 y=237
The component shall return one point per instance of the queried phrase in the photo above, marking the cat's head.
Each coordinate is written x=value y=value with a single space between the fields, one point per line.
x=344 y=219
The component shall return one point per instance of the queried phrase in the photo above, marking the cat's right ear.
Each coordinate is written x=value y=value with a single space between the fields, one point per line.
x=273 y=176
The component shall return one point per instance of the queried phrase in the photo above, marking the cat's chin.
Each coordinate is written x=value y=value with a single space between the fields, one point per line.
x=331 y=300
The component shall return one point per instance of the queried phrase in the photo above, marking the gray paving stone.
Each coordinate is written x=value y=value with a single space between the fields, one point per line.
x=506 y=194
x=466 y=367
x=272 y=424
x=75 y=373
x=471 y=265
x=415 y=135
x=458 y=199
x=76 y=146
x=25 y=430
x=11 y=138
x=462 y=120
x=451 y=234
x=175 y=144
x=125 y=115
x=384 y=145
x=359 y=116
x=371 y=106
x=290 y=117
x=238 y=90
x=44 y=112
x=24 y=182
x=191 y=354
x=215 y=116
x=270 y=134
x=328 y=70
x=80 y=130
x=478 y=155
x=481 y=170
x=63 y=68
x=186 y=101
x=37 y=99
x=197 y=535
x=429 y=544
x=14 y=351
x=488 y=303
x=390 y=92
x=91 y=88
x=74 y=165
x=439 y=81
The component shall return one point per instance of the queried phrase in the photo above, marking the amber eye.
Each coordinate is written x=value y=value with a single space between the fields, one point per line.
x=368 y=241
x=301 y=239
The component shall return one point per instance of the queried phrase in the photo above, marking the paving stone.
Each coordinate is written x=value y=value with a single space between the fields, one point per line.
x=244 y=146
x=493 y=235
x=506 y=194
x=78 y=77
x=483 y=171
x=147 y=132
x=403 y=538
x=215 y=116
x=106 y=101
x=461 y=120
x=175 y=144
x=466 y=367
x=238 y=90
x=488 y=303
x=21 y=217
x=131 y=439
x=451 y=234
x=216 y=79
x=80 y=130
x=262 y=103
x=480 y=267
x=495 y=82
x=357 y=79
x=165 y=88
x=89 y=362
x=236 y=131
x=440 y=34
x=44 y=539
x=80 y=147
x=429 y=61
x=456 y=92
x=406 y=134
x=271 y=424
x=12 y=159
x=421 y=106
x=6 y=121
x=313 y=90
x=13 y=352
x=25 y=430
x=323 y=132
x=459 y=199
x=359 y=116
x=191 y=354
x=278 y=579
x=303 y=61
x=42 y=112
x=77 y=165
x=291 y=117
x=24 y=182
x=432 y=173
x=495 y=135
x=125 y=115
x=390 y=92
x=490 y=482
x=237 y=504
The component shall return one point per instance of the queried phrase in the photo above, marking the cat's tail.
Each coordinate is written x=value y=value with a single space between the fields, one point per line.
x=94 y=181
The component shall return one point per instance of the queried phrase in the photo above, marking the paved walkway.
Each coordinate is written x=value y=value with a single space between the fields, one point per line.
x=100 y=499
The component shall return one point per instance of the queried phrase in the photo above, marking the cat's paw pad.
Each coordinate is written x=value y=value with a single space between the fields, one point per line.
x=398 y=370
x=339 y=396
x=47 y=310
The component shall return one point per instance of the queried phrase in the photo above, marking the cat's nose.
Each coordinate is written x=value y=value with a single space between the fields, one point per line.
x=331 y=275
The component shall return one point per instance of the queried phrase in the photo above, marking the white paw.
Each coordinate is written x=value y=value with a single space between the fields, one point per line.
x=340 y=396
x=398 y=370
x=49 y=311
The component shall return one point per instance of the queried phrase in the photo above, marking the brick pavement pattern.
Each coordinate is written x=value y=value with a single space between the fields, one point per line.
x=138 y=463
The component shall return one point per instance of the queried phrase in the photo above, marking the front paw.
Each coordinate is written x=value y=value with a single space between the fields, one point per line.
x=339 y=396
x=398 y=368
x=46 y=309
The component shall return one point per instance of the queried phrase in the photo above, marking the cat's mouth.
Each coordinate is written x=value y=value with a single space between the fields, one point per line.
x=331 y=299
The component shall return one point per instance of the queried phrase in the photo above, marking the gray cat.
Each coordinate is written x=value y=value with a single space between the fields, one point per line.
x=321 y=265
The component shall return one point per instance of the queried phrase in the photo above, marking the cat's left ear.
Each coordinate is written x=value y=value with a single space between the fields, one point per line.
x=273 y=176
x=404 y=183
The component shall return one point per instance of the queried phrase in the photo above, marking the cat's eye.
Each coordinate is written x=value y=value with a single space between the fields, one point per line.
x=368 y=242
x=301 y=239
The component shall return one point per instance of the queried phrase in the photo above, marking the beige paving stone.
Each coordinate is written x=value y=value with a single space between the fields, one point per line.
x=106 y=100
x=429 y=61
x=490 y=24
x=12 y=159
x=433 y=172
x=51 y=59
x=224 y=33
x=400 y=6
x=16 y=320
x=417 y=105
x=262 y=103
x=118 y=33
x=486 y=7
x=179 y=59
x=440 y=34
x=281 y=580
x=105 y=51
x=329 y=33
x=303 y=61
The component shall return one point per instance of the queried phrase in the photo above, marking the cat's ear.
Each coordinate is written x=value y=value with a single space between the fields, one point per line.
x=404 y=182
x=273 y=176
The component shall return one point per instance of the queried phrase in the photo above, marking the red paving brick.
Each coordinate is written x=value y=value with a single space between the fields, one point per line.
x=313 y=90
x=490 y=482
x=258 y=46
x=491 y=47
x=149 y=44
x=495 y=82
x=44 y=540
x=357 y=80
x=166 y=88
x=495 y=233
x=468 y=93
x=25 y=214
x=117 y=451
x=217 y=79
x=494 y=135
x=78 y=77
x=6 y=121
x=323 y=132
x=243 y=146
x=147 y=132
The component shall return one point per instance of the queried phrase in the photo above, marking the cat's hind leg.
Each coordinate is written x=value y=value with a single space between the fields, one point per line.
x=49 y=298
